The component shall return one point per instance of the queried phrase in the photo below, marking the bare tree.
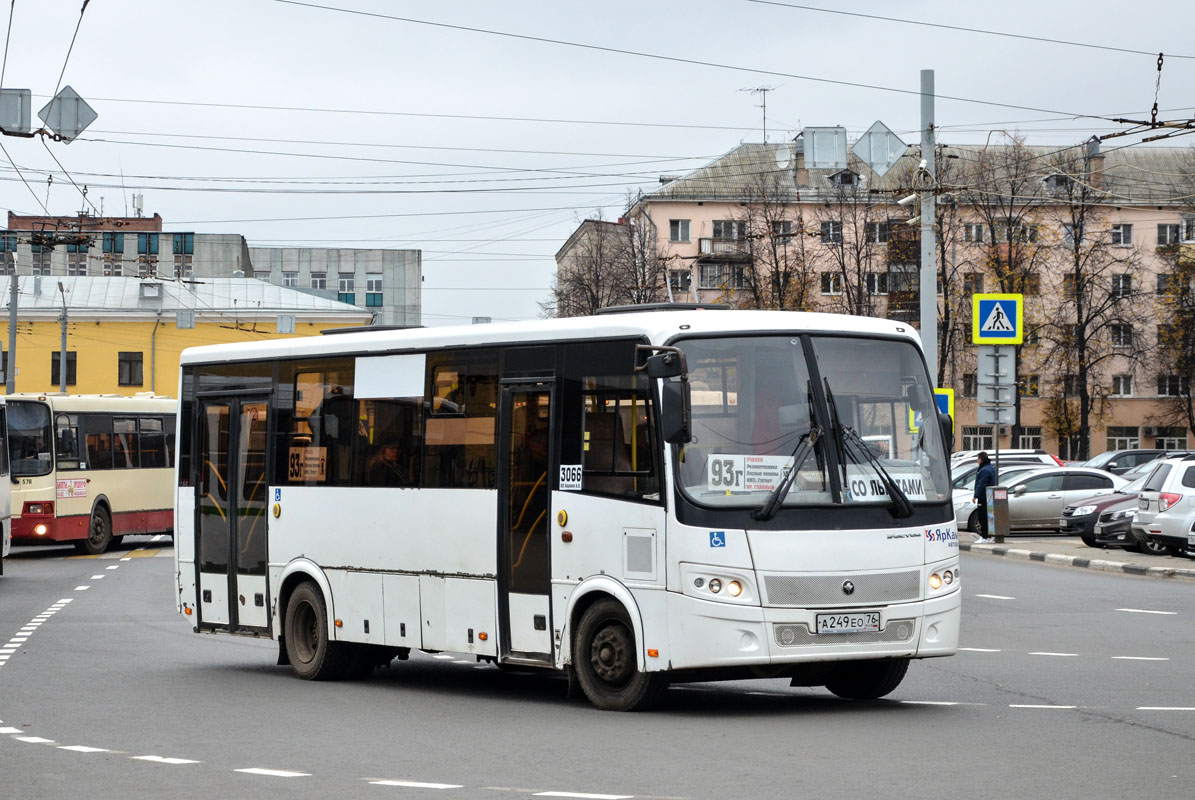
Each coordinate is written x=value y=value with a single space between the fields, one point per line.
x=1175 y=355
x=854 y=231
x=605 y=264
x=783 y=267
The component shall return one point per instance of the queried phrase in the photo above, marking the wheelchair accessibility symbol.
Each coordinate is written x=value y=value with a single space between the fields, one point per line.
x=717 y=538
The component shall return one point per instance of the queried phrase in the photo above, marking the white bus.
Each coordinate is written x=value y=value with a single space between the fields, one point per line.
x=89 y=469
x=5 y=492
x=635 y=498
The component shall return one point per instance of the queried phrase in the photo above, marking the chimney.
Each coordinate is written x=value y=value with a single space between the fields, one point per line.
x=1095 y=163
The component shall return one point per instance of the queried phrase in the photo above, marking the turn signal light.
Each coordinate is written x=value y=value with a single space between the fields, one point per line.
x=45 y=507
x=1168 y=500
x=483 y=636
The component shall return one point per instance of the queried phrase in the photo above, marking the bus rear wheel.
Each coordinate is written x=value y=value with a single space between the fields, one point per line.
x=867 y=680
x=99 y=533
x=605 y=658
x=313 y=656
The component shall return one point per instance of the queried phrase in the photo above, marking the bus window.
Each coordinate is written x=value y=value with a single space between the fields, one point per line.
x=96 y=430
x=460 y=430
x=125 y=443
x=388 y=442
x=66 y=432
x=316 y=424
x=29 y=438
x=618 y=438
x=152 y=442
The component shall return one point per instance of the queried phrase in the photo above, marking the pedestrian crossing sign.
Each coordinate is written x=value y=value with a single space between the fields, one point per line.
x=997 y=318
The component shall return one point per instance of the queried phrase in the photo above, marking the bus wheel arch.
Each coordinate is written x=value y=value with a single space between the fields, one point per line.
x=307 y=634
x=99 y=529
x=587 y=593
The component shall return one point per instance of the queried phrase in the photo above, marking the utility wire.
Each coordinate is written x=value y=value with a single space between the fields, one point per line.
x=4 y=67
x=71 y=48
x=963 y=29
x=22 y=177
x=673 y=59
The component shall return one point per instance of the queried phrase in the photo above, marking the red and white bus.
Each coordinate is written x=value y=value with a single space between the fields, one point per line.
x=89 y=469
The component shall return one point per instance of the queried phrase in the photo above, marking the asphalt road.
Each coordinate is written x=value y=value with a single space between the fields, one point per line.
x=1073 y=684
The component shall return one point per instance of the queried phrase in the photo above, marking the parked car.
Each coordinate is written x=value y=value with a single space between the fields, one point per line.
x=966 y=513
x=1119 y=462
x=1166 y=505
x=1036 y=497
x=1039 y=455
x=1080 y=517
x=962 y=476
x=1114 y=528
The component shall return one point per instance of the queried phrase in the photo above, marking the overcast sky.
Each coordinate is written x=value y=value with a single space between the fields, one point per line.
x=462 y=131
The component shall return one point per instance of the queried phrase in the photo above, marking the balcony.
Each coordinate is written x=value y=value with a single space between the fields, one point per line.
x=723 y=249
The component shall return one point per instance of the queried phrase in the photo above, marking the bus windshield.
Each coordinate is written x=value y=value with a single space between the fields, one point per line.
x=29 y=438
x=868 y=414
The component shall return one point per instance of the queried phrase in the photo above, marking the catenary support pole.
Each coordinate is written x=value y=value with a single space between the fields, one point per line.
x=929 y=244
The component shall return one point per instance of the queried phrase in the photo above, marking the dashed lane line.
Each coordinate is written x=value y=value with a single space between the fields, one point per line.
x=585 y=795
x=418 y=784
x=1042 y=707
x=995 y=597
x=274 y=773
x=18 y=641
x=1139 y=658
x=164 y=760
x=82 y=748
x=1147 y=611
x=1057 y=655
x=1166 y=708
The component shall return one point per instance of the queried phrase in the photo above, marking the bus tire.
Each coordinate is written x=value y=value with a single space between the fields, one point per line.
x=605 y=661
x=867 y=680
x=313 y=655
x=99 y=533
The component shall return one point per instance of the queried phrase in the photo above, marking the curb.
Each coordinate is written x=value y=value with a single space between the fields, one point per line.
x=1075 y=561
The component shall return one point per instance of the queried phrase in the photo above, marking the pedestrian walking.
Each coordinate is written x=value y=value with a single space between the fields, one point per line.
x=985 y=477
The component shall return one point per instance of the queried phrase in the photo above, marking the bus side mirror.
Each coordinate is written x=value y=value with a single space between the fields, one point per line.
x=669 y=364
x=947 y=426
x=676 y=412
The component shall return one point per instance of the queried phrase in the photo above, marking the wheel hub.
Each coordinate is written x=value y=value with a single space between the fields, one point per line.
x=610 y=654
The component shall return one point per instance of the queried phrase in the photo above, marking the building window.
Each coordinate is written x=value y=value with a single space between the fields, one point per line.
x=76 y=259
x=55 y=378
x=721 y=276
x=831 y=233
x=319 y=280
x=1068 y=235
x=1029 y=283
x=831 y=283
x=978 y=437
x=680 y=280
x=290 y=280
x=1032 y=336
x=729 y=230
x=1068 y=287
x=973 y=283
x=1123 y=438
x=129 y=369
x=1122 y=334
x=1166 y=282
x=373 y=292
x=1122 y=285
x=970 y=386
x=113 y=242
x=1187 y=233
x=1029 y=386
x=1030 y=438
x=879 y=232
x=1122 y=235
x=346 y=290
x=1172 y=438
x=1168 y=234
x=877 y=282
x=41 y=259
x=782 y=227
x=678 y=230
x=147 y=244
x=112 y=269
x=1017 y=232
x=1071 y=386
x=973 y=232
x=1174 y=386
x=1122 y=385
x=184 y=244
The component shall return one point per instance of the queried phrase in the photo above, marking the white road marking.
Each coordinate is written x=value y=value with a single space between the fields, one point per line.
x=1059 y=655
x=929 y=702
x=995 y=597
x=114 y=566
x=1138 y=658
x=82 y=748
x=418 y=784
x=274 y=773
x=584 y=795
x=33 y=739
x=96 y=577
x=82 y=588
x=164 y=760
x=443 y=657
x=11 y=730
x=1050 y=707
x=127 y=558
x=1147 y=611
x=1166 y=708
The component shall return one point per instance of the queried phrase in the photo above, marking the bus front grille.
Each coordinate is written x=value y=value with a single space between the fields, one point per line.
x=805 y=591
x=797 y=635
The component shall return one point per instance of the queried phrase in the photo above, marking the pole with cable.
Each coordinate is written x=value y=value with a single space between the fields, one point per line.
x=62 y=349
x=927 y=183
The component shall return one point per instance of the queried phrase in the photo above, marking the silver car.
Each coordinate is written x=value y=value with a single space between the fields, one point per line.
x=1036 y=497
x=1166 y=505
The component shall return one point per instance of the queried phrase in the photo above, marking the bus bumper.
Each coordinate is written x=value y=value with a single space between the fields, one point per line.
x=709 y=634
x=31 y=529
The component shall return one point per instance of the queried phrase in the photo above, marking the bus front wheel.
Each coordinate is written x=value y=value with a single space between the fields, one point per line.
x=99 y=533
x=313 y=656
x=867 y=680
x=605 y=659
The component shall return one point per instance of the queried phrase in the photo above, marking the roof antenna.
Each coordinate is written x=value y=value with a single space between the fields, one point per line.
x=762 y=91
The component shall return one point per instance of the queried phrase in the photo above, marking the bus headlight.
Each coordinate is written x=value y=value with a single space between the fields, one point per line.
x=734 y=588
x=39 y=529
x=721 y=584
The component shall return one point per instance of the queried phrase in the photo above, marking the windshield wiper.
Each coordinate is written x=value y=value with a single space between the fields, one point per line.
x=804 y=447
x=901 y=507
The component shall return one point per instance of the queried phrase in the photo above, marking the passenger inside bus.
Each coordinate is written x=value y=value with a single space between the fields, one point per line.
x=387 y=467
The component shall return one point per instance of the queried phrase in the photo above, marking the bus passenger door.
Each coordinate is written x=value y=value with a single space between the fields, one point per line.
x=524 y=514
x=232 y=514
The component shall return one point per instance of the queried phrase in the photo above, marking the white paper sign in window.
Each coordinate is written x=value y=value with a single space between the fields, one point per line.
x=389 y=376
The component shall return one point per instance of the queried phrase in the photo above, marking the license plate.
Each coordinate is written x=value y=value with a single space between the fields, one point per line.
x=1143 y=504
x=853 y=622
x=1191 y=540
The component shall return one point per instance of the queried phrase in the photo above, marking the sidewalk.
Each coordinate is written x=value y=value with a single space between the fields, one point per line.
x=1070 y=551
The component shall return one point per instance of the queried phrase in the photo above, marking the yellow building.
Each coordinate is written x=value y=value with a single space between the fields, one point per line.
x=124 y=335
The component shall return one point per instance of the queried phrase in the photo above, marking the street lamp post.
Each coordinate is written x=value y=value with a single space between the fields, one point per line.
x=62 y=347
